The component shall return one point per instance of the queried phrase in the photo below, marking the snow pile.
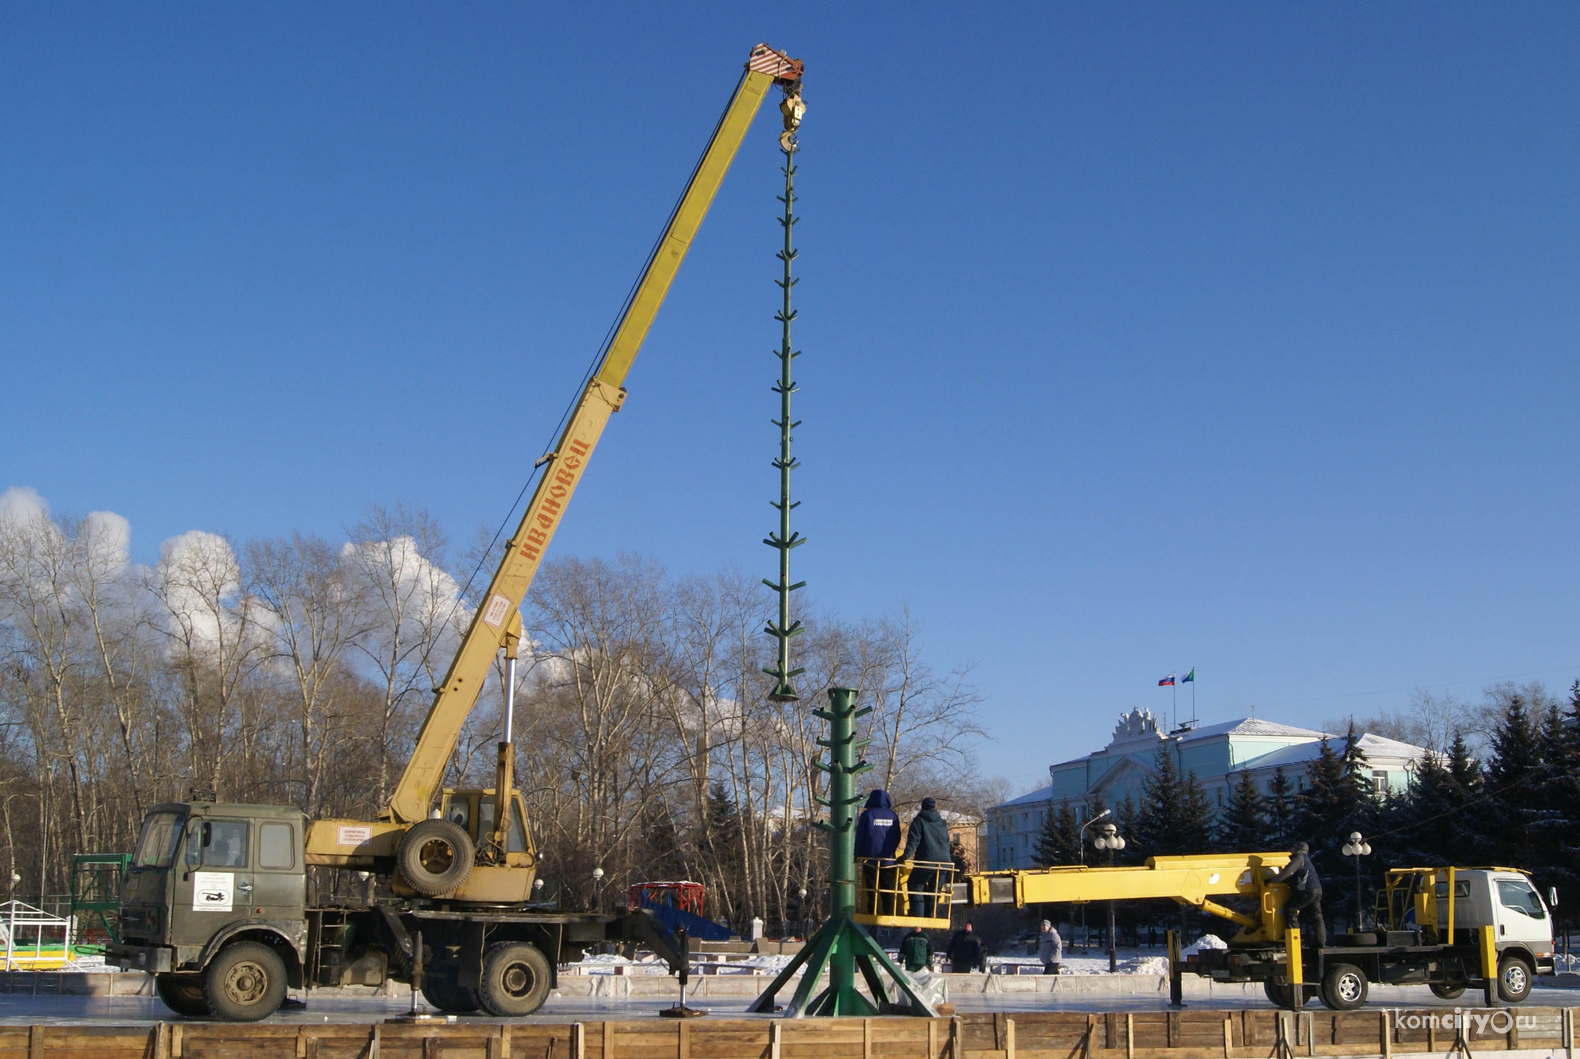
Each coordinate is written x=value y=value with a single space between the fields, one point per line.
x=1145 y=965
x=770 y=963
x=605 y=963
x=1206 y=941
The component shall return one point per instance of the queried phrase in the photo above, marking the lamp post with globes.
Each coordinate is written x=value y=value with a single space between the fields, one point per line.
x=1357 y=847
x=1080 y=840
x=1109 y=838
x=597 y=877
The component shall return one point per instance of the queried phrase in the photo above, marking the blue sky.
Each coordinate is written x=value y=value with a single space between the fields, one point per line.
x=1136 y=338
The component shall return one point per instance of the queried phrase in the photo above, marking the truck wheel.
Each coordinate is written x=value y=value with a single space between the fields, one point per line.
x=1514 y=979
x=515 y=979
x=1344 y=987
x=435 y=857
x=1279 y=993
x=245 y=982
x=444 y=993
x=183 y=994
x=1445 y=991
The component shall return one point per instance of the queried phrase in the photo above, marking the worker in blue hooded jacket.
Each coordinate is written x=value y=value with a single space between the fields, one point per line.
x=877 y=837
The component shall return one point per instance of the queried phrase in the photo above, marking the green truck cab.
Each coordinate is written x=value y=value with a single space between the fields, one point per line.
x=216 y=891
x=214 y=906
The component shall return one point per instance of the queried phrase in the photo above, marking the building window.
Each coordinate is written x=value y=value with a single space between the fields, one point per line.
x=1380 y=781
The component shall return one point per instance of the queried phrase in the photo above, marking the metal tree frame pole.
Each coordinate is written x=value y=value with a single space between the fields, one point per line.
x=842 y=946
x=783 y=541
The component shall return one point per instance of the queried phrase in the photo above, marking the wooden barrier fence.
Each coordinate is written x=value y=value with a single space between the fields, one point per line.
x=1250 y=1034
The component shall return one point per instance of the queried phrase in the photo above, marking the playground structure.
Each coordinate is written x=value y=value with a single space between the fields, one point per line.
x=15 y=916
x=678 y=905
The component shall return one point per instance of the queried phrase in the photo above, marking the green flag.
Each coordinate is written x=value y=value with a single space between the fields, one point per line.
x=1190 y=677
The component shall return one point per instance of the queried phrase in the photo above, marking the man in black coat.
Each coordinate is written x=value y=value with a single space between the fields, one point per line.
x=927 y=843
x=965 y=952
x=1305 y=891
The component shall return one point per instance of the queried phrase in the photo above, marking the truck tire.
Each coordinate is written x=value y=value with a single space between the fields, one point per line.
x=435 y=857
x=1514 y=979
x=516 y=979
x=1279 y=994
x=1447 y=991
x=443 y=992
x=1344 y=987
x=183 y=994
x=245 y=982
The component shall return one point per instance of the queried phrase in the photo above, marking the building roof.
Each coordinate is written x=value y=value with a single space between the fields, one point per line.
x=1375 y=747
x=1249 y=726
x=1036 y=797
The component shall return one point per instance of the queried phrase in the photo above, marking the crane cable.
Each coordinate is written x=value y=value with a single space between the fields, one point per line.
x=593 y=367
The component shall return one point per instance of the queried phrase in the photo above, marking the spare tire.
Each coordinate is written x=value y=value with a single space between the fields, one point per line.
x=435 y=857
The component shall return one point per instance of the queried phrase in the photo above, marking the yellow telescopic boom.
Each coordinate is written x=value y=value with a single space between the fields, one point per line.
x=1191 y=881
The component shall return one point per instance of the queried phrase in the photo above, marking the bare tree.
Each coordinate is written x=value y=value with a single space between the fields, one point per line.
x=412 y=606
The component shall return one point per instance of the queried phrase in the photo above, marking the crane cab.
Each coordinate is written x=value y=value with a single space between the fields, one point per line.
x=498 y=876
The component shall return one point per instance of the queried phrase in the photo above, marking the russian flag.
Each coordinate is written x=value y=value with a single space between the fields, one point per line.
x=1167 y=681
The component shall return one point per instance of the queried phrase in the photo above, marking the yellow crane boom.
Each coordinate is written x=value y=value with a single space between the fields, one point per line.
x=496 y=623
x=1191 y=881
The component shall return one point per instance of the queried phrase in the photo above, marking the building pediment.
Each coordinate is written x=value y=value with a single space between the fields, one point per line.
x=1137 y=726
x=1126 y=767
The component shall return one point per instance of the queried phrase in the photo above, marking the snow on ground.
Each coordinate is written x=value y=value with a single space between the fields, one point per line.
x=1095 y=961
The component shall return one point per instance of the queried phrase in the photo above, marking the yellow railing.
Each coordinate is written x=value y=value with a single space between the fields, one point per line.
x=909 y=893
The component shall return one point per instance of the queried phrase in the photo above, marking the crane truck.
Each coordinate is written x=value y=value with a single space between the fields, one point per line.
x=1446 y=928
x=214 y=903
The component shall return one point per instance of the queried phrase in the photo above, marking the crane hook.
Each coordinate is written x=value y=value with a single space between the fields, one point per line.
x=793 y=108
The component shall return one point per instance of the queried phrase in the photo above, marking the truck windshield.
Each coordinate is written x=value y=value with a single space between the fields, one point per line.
x=157 y=846
x=1518 y=895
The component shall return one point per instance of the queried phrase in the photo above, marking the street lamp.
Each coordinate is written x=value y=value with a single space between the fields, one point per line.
x=1357 y=847
x=1080 y=840
x=597 y=889
x=1109 y=838
x=1081 y=837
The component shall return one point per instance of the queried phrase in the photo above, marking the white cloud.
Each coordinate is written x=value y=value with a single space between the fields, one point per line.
x=199 y=578
x=22 y=503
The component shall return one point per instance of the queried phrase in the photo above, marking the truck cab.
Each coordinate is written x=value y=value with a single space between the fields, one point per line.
x=216 y=885
x=1469 y=899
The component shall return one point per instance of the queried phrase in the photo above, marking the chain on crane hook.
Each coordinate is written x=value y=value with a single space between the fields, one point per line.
x=792 y=108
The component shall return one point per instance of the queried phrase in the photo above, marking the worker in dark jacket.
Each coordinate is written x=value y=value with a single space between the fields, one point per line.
x=965 y=952
x=877 y=837
x=927 y=844
x=1305 y=890
x=916 y=951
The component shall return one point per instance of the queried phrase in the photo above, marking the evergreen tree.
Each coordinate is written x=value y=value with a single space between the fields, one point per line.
x=1514 y=773
x=1280 y=810
x=721 y=846
x=1173 y=817
x=1243 y=827
x=1339 y=798
x=1196 y=817
x=1060 y=841
x=1462 y=767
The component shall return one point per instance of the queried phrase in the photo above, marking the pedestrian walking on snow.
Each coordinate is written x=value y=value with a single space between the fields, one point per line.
x=1050 y=948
